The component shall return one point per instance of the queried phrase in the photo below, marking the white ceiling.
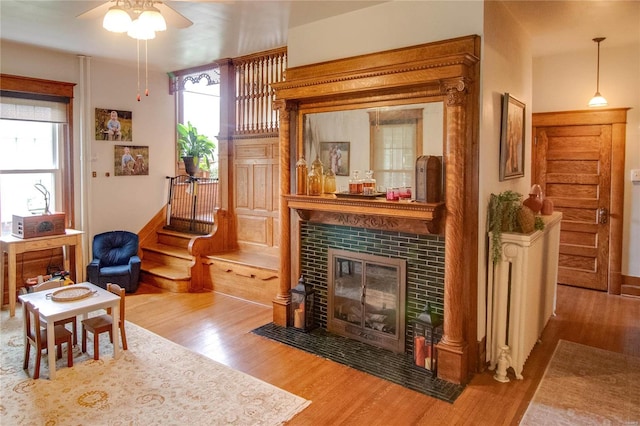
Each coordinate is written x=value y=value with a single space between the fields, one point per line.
x=232 y=28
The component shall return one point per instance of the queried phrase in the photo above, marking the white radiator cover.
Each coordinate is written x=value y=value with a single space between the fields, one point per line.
x=522 y=292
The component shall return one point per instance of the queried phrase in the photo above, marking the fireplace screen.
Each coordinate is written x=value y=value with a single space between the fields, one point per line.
x=367 y=298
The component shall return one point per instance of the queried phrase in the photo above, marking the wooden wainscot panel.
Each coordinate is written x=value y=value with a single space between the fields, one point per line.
x=253 y=229
x=246 y=282
x=252 y=151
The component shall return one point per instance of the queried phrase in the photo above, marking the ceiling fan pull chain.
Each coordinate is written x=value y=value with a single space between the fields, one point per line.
x=138 y=47
x=146 y=68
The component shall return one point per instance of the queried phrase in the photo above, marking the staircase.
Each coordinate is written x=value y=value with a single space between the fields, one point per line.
x=167 y=262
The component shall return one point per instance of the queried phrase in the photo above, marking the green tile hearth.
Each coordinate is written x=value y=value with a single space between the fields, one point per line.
x=396 y=368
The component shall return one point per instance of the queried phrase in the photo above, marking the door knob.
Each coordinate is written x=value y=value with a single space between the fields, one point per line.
x=603 y=215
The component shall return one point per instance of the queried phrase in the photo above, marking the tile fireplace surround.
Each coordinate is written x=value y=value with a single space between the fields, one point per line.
x=424 y=255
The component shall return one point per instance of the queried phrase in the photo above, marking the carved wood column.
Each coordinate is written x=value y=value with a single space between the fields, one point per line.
x=453 y=349
x=283 y=298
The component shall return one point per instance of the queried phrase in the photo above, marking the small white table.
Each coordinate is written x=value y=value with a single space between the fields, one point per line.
x=52 y=311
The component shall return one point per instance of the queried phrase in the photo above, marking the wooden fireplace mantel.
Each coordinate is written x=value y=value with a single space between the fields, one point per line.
x=445 y=71
x=376 y=213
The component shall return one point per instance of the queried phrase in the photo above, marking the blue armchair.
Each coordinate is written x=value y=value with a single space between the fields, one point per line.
x=115 y=260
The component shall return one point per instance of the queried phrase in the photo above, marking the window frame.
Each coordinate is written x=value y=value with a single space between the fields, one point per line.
x=34 y=88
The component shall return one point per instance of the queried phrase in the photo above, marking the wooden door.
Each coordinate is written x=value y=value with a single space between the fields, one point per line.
x=576 y=161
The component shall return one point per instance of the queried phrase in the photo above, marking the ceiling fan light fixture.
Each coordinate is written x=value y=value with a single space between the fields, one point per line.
x=116 y=20
x=140 y=31
x=598 y=100
x=152 y=18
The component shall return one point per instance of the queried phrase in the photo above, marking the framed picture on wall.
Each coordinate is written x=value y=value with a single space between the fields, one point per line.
x=129 y=160
x=114 y=125
x=335 y=156
x=512 y=138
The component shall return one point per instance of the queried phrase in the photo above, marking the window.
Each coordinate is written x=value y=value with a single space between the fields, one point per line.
x=197 y=92
x=35 y=149
x=396 y=141
x=201 y=106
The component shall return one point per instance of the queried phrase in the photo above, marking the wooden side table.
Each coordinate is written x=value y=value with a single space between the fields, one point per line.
x=14 y=246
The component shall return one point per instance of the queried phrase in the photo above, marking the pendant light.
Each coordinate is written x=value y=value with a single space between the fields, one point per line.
x=598 y=100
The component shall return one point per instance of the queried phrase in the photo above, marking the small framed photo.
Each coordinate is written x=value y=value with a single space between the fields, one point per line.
x=113 y=125
x=335 y=156
x=512 y=138
x=130 y=160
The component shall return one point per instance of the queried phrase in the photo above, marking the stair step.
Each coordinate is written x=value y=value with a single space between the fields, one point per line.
x=169 y=250
x=173 y=238
x=165 y=271
x=174 y=286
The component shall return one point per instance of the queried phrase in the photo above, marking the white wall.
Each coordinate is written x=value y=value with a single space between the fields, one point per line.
x=386 y=26
x=505 y=68
x=112 y=202
x=567 y=82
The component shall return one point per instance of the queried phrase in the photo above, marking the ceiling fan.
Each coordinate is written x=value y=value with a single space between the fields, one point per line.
x=135 y=7
x=140 y=19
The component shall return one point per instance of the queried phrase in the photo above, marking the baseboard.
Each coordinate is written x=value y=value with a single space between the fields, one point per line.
x=630 y=286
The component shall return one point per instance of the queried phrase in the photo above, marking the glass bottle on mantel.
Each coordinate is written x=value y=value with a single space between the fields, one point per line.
x=329 y=182
x=301 y=177
x=355 y=183
x=314 y=183
x=369 y=183
x=319 y=169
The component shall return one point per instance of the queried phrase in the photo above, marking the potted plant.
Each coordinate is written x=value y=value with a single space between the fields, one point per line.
x=194 y=147
x=508 y=214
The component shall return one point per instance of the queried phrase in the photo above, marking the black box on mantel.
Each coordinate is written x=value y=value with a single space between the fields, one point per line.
x=41 y=225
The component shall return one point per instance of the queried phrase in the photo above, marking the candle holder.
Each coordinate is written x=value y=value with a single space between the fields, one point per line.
x=424 y=339
x=302 y=306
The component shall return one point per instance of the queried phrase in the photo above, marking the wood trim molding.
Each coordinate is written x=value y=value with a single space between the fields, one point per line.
x=446 y=70
x=17 y=83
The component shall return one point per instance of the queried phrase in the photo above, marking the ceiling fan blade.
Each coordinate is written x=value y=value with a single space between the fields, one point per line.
x=96 y=12
x=173 y=18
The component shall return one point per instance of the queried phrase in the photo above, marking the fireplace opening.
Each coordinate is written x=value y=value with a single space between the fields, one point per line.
x=366 y=298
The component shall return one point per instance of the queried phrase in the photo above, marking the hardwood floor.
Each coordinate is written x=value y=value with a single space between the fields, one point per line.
x=219 y=326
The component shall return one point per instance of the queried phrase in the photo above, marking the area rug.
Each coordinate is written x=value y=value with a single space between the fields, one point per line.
x=154 y=382
x=584 y=385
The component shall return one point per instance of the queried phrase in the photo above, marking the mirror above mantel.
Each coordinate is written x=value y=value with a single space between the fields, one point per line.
x=384 y=139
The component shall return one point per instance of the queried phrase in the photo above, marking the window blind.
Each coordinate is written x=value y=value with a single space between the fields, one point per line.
x=32 y=110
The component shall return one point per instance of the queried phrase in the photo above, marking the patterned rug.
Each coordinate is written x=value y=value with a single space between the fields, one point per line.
x=584 y=385
x=154 y=382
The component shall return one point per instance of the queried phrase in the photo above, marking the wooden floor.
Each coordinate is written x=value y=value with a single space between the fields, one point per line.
x=219 y=326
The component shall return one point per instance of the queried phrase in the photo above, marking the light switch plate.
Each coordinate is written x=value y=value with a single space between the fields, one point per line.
x=635 y=175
